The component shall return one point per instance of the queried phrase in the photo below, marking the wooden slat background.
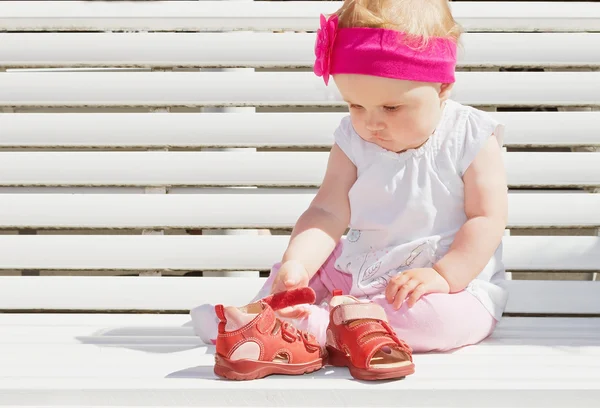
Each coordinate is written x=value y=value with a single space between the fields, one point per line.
x=72 y=140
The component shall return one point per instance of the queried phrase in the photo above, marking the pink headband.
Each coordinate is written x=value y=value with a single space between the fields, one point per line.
x=380 y=52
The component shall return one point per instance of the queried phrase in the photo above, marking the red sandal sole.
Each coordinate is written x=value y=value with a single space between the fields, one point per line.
x=242 y=370
x=338 y=359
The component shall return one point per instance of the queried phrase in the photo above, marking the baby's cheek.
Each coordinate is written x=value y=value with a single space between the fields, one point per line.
x=413 y=133
x=361 y=132
x=357 y=125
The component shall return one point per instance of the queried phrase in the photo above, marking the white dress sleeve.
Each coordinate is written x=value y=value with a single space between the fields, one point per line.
x=344 y=138
x=479 y=127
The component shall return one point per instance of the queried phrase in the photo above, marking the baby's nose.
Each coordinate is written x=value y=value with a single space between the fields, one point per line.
x=374 y=126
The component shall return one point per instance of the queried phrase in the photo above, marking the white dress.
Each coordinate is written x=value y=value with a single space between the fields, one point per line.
x=407 y=207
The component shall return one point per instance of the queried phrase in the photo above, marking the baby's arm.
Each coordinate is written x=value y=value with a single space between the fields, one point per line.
x=486 y=207
x=320 y=227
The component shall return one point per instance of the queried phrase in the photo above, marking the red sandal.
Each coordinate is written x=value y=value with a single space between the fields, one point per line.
x=360 y=338
x=253 y=343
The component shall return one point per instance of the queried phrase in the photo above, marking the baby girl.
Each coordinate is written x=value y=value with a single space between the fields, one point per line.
x=417 y=177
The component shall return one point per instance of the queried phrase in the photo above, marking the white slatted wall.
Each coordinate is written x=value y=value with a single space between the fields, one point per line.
x=76 y=159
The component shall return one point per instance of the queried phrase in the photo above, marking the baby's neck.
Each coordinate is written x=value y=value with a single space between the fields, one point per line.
x=412 y=148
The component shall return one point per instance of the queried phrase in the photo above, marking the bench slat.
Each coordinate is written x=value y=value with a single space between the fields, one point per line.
x=189 y=130
x=185 y=253
x=249 y=168
x=165 y=325
x=196 y=386
x=184 y=293
x=260 y=209
x=173 y=332
x=553 y=360
x=267 y=16
x=189 y=89
x=167 y=378
x=44 y=359
x=162 y=50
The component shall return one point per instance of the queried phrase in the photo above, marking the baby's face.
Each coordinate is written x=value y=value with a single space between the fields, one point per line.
x=394 y=114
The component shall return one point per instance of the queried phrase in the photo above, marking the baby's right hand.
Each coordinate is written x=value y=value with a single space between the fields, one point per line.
x=291 y=275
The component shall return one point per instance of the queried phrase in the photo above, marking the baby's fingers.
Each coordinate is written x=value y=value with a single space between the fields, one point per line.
x=293 y=312
x=416 y=295
x=395 y=284
x=278 y=286
x=404 y=291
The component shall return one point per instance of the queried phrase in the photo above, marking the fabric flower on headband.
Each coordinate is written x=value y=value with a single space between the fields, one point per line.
x=323 y=46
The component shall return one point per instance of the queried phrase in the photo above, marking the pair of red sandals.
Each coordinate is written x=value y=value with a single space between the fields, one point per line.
x=253 y=343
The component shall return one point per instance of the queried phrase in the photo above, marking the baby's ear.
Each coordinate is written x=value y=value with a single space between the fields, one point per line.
x=445 y=90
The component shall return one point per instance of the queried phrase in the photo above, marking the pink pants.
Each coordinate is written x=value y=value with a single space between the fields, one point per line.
x=437 y=322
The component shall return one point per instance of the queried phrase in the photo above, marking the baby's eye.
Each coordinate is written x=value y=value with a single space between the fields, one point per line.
x=352 y=106
x=391 y=108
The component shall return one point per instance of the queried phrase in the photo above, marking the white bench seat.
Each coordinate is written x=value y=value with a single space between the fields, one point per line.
x=155 y=360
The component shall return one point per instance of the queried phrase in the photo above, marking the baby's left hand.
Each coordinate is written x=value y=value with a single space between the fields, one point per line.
x=413 y=284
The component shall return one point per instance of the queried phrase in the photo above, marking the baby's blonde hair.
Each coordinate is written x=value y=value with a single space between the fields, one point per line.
x=420 y=19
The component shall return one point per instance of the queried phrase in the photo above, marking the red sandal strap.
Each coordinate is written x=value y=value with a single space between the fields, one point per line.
x=292 y=297
x=220 y=312
x=368 y=328
x=266 y=320
x=356 y=311
x=401 y=344
x=369 y=337
x=310 y=342
x=288 y=332
x=291 y=334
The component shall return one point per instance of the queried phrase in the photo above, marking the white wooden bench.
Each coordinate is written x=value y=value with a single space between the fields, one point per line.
x=103 y=173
